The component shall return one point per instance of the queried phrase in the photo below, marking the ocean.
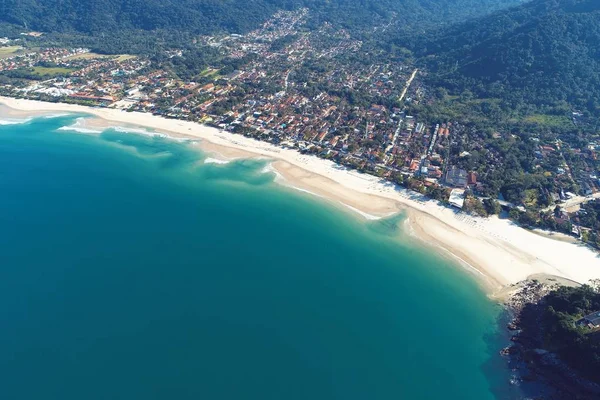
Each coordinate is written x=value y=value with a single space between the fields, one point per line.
x=130 y=268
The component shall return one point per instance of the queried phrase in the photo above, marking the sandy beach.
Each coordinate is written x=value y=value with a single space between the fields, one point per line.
x=494 y=250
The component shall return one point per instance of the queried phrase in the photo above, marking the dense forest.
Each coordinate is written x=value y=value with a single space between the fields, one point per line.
x=542 y=56
x=554 y=324
x=233 y=16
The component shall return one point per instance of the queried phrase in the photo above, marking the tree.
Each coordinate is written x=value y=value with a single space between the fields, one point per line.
x=492 y=206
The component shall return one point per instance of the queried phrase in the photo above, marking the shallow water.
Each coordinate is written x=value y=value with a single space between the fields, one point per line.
x=130 y=269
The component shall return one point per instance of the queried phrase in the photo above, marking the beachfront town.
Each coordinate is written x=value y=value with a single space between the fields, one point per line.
x=319 y=91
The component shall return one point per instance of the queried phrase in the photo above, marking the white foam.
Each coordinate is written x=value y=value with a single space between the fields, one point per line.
x=145 y=132
x=281 y=180
x=268 y=169
x=307 y=191
x=79 y=126
x=14 y=121
x=76 y=129
x=364 y=214
x=215 y=161
x=140 y=131
x=55 y=115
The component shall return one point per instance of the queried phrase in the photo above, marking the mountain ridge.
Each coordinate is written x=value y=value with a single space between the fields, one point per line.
x=206 y=16
x=547 y=51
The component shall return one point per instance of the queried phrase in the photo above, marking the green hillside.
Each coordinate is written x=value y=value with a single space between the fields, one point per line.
x=545 y=53
x=205 y=16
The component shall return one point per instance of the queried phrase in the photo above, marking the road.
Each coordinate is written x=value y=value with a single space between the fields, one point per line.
x=396 y=133
x=408 y=83
x=573 y=202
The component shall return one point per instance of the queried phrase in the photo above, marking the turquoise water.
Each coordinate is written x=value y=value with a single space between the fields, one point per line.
x=131 y=270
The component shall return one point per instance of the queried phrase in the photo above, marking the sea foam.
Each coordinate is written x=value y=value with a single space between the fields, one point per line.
x=51 y=116
x=145 y=132
x=14 y=121
x=269 y=169
x=364 y=214
x=215 y=161
x=79 y=126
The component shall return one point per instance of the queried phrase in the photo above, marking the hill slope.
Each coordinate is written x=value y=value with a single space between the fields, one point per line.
x=205 y=16
x=546 y=52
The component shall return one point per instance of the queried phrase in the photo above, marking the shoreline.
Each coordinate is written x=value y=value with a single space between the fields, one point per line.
x=497 y=252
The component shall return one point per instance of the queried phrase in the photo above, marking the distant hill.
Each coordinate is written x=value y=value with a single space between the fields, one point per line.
x=545 y=52
x=206 y=16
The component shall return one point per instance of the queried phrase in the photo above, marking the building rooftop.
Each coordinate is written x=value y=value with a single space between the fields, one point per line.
x=457 y=198
x=593 y=318
x=456 y=177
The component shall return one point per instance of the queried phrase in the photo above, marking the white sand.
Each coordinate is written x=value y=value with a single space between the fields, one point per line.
x=497 y=250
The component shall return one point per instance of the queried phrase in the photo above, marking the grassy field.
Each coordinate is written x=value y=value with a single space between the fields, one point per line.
x=91 y=56
x=51 y=72
x=8 y=51
x=548 y=120
x=210 y=73
x=86 y=56
x=491 y=100
x=124 y=57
